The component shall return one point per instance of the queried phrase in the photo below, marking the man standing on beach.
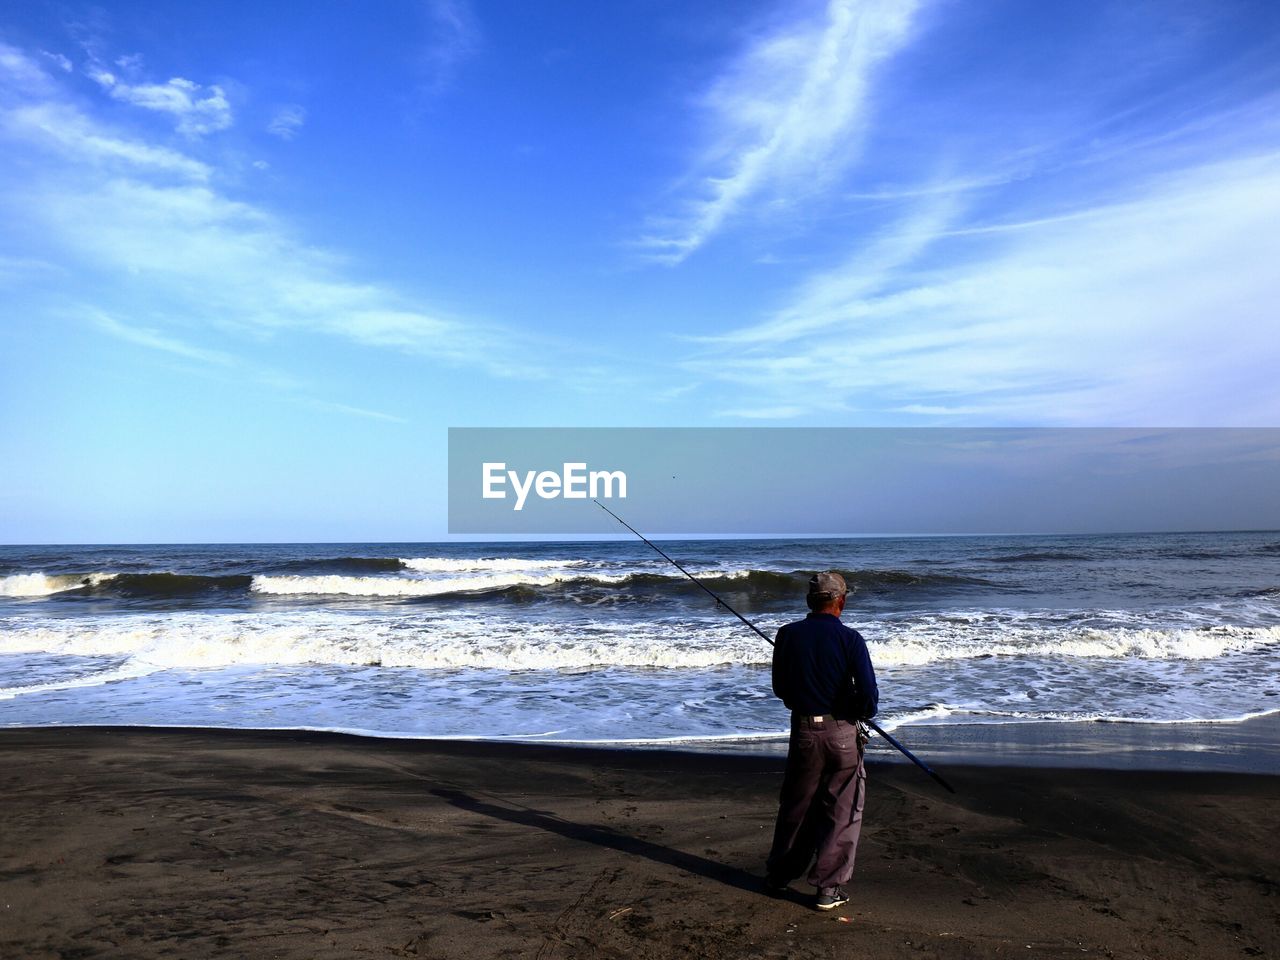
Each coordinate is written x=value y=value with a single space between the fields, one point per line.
x=823 y=673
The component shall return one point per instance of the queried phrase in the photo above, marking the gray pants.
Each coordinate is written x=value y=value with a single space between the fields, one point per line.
x=820 y=809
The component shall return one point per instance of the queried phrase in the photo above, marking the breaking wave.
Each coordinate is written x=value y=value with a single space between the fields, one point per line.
x=480 y=641
x=524 y=583
x=38 y=584
x=932 y=643
x=388 y=586
x=513 y=578
x=454 y=565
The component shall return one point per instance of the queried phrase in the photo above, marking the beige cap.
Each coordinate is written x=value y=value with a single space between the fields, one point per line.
x=829 y=585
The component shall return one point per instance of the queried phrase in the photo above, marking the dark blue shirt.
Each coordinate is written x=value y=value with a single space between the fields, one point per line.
x=820 y=666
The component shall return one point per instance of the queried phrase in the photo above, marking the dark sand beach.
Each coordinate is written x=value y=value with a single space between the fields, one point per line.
x=190 y=843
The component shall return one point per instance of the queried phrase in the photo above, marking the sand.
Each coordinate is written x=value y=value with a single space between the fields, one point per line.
x=186 y=843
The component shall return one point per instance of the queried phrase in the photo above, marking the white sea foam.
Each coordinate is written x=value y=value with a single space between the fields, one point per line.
x=195 y=640
x=619 y=648
x=392 y=586
x=454 y=640
x=455 y=582
x=996 y=717
x=29 y=585
x=481 y=675
x=929 y=642
x=43 y=585
x=424 y=576
x=603 y=570
x=933 y=713
x=468 y=565
x=36 y=584
x=131 y=671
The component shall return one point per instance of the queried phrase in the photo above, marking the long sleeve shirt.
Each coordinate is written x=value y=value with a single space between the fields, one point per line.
x=820 y=666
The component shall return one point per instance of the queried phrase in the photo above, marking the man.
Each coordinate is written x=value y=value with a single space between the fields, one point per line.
x=823 y=673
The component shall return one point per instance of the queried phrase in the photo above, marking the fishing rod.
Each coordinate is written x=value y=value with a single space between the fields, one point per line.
x=711 y=593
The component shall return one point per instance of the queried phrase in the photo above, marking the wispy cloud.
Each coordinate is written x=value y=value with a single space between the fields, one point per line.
x=454 y=37
x=59 y=60
x=157 y=340
x=350 y=411
x=63 y=129
x=206 y=256
x=1154 y=309
x=157 y=221
x=35 y=109
x=18 y=268
x=925 y=410
x=287 y=121
x=828 y=298
x=21 y=74
x=291 y=389
x=196 y=110
x=786 y=118
x=783 y=411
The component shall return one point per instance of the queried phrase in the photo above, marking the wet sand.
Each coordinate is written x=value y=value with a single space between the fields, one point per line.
x=186 y=843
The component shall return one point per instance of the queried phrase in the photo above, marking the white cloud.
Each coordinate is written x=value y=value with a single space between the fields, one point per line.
x=924 y=409
x=864 y=274
x=348 y=410
x=20 y=73
x=288 y=120
x=454 y=38
x=1153 y=310
x=780 y=412
x=64 y=129
x=109 y=206
x=14 y=269
x=158 y=340
x=787 y=117
x=197 y=110
x=292 y=388
x=235 y=266
x=59 y=60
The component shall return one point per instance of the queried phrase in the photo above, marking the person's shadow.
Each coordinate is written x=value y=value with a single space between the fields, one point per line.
x=605 y=837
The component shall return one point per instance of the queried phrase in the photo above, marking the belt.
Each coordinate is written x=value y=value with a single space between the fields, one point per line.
x=814 y=718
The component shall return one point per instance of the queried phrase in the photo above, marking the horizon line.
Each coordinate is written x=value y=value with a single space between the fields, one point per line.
x=620 y=538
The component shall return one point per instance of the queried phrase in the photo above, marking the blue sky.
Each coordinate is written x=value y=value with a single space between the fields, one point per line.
x=255 y=259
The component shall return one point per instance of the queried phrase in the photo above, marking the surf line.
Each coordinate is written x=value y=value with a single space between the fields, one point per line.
x=870 y=723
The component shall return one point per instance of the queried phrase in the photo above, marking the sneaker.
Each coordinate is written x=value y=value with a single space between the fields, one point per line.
x=775 y=887
x=830 y=897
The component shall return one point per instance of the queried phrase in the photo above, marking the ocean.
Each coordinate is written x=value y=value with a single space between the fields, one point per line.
x=605 y=643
